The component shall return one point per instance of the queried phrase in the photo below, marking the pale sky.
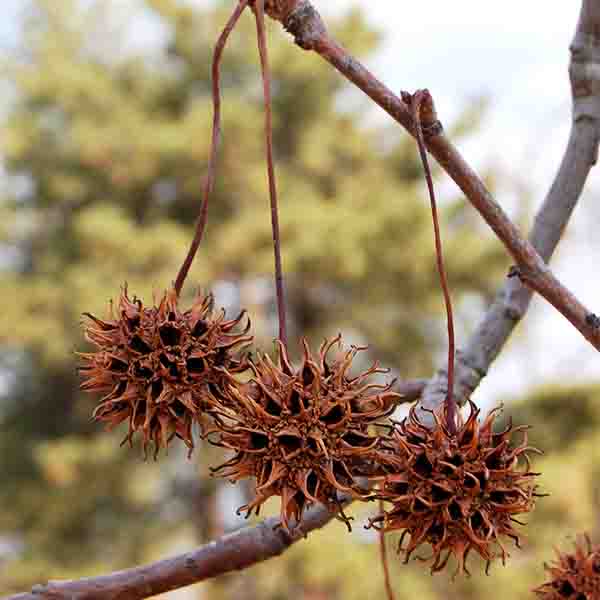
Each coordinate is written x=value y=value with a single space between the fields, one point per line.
x=516 y=53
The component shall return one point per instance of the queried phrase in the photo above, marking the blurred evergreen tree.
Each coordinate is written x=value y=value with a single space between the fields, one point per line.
x=105 y=142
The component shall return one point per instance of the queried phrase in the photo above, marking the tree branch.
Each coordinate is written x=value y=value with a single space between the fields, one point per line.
x=232 y=552
x=255 y=544
x=411 y=390
x=513 y=299
x=301 y=19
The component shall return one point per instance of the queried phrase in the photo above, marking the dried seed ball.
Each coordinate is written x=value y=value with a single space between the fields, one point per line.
x=159 y=368
x=303 y=433
x=574 y=576
x=456 y=493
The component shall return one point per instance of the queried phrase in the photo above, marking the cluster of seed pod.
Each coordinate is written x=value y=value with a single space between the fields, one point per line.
x=306 y=433
x=311 y=432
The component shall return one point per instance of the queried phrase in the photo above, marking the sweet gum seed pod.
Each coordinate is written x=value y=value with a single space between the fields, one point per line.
x=160 y=368
x=574 y=575
x=455 y=493
x=303 y=433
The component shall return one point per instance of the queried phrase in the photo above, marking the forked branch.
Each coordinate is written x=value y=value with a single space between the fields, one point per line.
x=255 y=544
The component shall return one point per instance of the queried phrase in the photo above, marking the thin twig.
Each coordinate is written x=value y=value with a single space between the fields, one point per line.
x=416 y=101
x=259 y=8
x=301 y=19
x=209 y=180
x=384 y=558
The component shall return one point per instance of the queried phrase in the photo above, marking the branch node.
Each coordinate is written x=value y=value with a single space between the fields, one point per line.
x=515 y=271
x=40 y=589
x=306 y=25
x=513 y=314
x=431 y=126
x=593 y=320
x=287 y=537
x=526 y=274
x=434 y=129
x=278 y=9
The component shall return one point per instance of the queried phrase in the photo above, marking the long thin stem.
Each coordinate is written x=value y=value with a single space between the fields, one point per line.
x=384 y=559
x=209 y=181
x=259 y=7
x=451 y=410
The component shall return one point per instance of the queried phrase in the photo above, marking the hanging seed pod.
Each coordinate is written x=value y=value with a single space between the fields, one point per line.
x=456 y=493
x=573 y=576
x=161 y=368
x=303 y=433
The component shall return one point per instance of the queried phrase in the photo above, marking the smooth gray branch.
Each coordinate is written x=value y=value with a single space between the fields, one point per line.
x=513 y=298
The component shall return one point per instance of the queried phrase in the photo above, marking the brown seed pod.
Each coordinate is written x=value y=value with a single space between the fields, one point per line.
x=303 y=433
x=456 y=493
x=159 y=367
x=574 y=576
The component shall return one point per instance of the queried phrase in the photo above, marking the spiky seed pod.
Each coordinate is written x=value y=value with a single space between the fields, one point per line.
x=456 y=493
x=303 y=433
x=159 y=368
x=575 y=575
